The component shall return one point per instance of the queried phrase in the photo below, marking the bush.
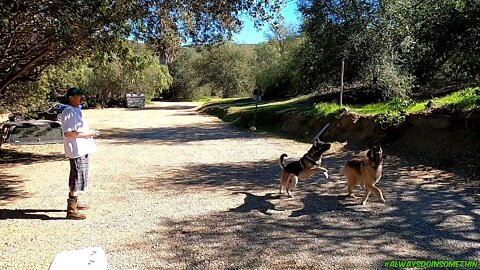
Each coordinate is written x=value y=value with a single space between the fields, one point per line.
x=396 y=112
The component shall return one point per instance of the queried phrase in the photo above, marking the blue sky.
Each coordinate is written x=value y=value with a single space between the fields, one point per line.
x=250 y=35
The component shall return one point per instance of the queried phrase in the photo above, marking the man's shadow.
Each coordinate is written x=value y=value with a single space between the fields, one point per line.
x=29 y=214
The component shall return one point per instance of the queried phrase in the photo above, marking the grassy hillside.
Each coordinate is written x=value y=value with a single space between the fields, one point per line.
x=230 y=109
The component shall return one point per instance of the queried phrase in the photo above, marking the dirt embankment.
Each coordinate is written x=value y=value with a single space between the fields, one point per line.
x=448 y=135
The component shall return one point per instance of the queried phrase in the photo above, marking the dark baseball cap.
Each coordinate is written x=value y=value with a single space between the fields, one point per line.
x=75 y=91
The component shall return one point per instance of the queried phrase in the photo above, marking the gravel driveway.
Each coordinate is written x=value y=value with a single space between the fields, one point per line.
x=175 y=189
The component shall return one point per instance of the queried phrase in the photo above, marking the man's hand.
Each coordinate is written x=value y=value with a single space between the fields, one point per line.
x=96 y=133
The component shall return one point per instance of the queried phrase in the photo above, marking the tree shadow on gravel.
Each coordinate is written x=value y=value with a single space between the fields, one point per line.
x=11 y=156
x=11 y=186
x=425 y=217
x=173 y=135
x=159 y=108
x=466 y=167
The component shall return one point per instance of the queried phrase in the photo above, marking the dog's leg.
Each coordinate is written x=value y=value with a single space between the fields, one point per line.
x=325 y=171
x=365 y=196
x=293 y=181
x=375 y=190
x=308 y=173
x=351 y=186
x=281 y=182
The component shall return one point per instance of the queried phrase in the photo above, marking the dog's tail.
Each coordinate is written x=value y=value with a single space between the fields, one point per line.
x=280 y=161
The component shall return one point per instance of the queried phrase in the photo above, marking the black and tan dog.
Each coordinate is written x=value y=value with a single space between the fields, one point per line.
x=365 y=172
x=303 y=168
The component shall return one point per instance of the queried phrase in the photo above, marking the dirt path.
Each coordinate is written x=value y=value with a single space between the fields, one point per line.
x=172 y=189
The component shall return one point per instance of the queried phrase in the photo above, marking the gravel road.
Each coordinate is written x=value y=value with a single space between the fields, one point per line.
x=174 y=189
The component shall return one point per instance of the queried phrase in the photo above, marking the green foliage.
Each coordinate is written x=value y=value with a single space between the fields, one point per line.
x=373 y=108
x=31 y=96
x=277 y=73
x=396 y=46
x=186 y=76
x=224 y=71
x=112 y=77
x=325 y=110
x=389 y=114
x=36 y=34
x=438 y=39
x=229 y=70
x=41 y=33
x=466 y=99
x=336 y=31
x=396 y=112
x=106 y=77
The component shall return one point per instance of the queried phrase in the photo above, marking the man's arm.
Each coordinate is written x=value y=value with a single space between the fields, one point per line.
x=77 y=134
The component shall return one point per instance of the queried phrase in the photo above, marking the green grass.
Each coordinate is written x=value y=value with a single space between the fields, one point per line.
x=324 y=110
x=374 y=108
x=208 y=99
x=462 y=100
x=465 y=99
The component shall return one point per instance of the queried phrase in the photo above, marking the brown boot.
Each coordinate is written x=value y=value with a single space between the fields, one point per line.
x=72 y=212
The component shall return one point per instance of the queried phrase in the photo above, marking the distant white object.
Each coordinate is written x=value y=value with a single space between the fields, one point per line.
x=135 y=100
x=93 y=258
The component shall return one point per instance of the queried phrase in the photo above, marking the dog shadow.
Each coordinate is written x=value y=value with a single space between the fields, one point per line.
x=29 y=214
x=253 y=202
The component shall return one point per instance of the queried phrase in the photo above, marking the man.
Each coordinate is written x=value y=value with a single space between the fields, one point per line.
x=78 y=143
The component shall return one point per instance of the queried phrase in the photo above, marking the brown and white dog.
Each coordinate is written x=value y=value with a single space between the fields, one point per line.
x=365 y=172
x=303 y=168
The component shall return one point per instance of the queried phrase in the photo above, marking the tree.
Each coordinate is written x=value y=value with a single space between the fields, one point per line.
x=229 y=69
x=391 y=45
x=277 y=72
x=187 y=77
x=36 y=34
x=336 y=31
x=438 y=41
x=281 y=35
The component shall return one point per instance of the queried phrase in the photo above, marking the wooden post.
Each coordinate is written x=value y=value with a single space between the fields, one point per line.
x=256 y=106
x=341 y=84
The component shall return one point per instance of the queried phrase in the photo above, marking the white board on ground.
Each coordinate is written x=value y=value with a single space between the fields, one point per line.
x=93 y=258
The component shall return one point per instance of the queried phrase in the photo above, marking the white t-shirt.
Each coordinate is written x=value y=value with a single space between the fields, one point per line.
x=72 y=120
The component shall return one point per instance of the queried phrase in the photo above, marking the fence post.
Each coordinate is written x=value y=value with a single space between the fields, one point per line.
x=341 y=84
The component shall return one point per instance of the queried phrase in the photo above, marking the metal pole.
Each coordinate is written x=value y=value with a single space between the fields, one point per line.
x=341 y=84
x=321 y=132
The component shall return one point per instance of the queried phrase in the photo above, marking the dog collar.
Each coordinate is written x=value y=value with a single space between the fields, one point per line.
x=301 y=165
x=310 y=158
